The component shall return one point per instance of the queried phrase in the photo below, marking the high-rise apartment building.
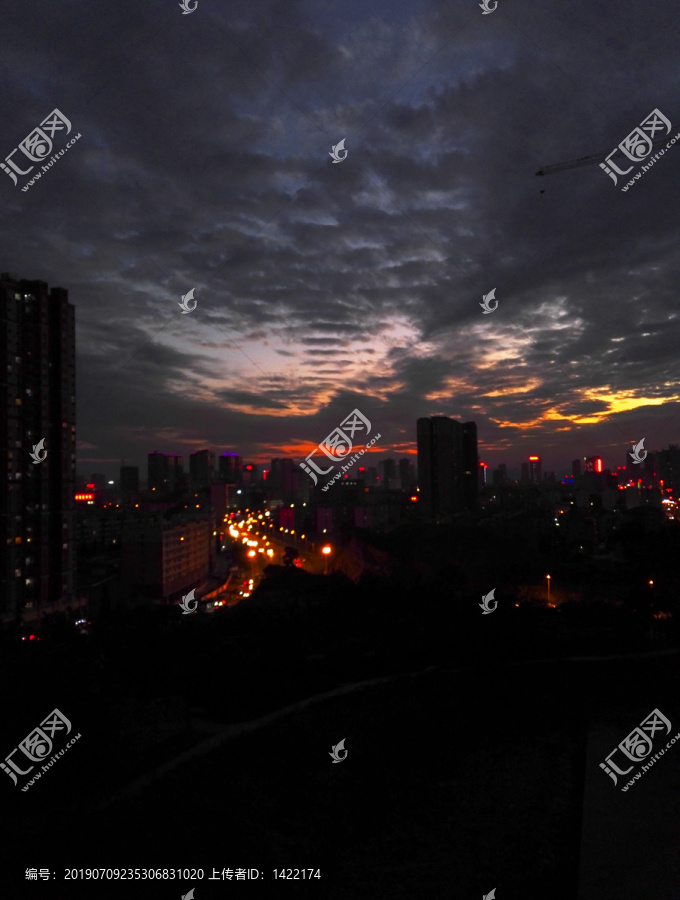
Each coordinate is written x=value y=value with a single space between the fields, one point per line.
x=229 y=468
x=447 y=466
x=162 y=559
x=201 y=468
x=165 y=472
x=407 y=474
x=534 y=468
x=470 y=461
x=388 y=474
x=37 y=393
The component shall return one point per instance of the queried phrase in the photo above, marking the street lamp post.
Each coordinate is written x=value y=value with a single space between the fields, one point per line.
x=548 y=577
x=326 y=552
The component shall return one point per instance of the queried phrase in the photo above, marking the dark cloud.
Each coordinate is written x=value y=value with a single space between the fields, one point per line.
x=204 y=163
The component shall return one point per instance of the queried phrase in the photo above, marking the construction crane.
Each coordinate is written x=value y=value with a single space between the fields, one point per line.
x=582 y=161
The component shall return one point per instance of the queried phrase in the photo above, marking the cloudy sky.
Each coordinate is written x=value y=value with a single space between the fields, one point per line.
x=204 y=163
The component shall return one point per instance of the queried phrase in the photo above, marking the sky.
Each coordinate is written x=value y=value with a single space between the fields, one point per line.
x=204 y=163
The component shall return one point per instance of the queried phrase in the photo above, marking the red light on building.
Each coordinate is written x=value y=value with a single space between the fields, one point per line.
x=533 y=459
x=84 y=497
x=413 y=499
x=598 y=465
x=249 y=467
x=89 y=485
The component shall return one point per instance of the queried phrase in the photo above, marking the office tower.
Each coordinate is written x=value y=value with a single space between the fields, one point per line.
x=229 y=468
x=440 y=466
x=407 y=475
x=482 y=474
x=524 y=477
x=470 y=464
x=534 y=469
x=37 y=350
x=575 y=468
x=129 y=480
x=201 y=468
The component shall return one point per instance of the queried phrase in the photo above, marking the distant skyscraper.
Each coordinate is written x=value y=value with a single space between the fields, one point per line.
x=470 y=462
x=535 y=470
x=165 y=472
x=249 y=475
x=157 y=472
x=592 y=464
x=669 y=469
x=446 y=452
x=37 y=394
x=282 y=479
x=407 y=474
x=201 y=468
x=388 y=473
x=176 y=480
x=229 y=468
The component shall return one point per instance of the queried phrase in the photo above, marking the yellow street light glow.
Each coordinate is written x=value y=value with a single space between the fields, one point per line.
x=251 y=553
x=326 y=549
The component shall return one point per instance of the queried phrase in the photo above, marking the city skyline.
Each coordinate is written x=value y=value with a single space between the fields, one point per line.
x=323 y=287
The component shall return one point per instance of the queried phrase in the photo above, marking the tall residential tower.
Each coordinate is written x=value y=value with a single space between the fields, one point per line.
x=37 y=393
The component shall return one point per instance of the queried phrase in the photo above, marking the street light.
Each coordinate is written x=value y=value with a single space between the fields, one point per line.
x=548 y=577
x=326 y=551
